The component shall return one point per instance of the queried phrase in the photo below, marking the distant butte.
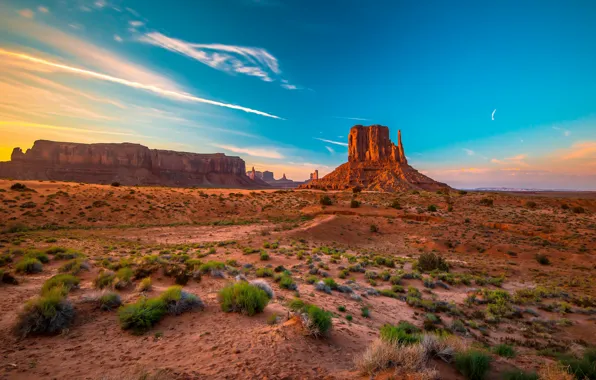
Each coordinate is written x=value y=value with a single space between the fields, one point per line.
x=127 y=164
x=375 y=163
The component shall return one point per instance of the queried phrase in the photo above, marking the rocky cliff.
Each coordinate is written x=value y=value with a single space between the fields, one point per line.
x=375 y=163
x=126 y=163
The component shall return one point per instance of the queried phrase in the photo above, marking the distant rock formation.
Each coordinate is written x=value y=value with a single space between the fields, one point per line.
x=126 y=163
x=375 y=163
x=314 y=175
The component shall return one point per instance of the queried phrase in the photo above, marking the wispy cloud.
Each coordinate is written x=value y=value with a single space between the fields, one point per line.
x=148 y=87
x=565 y=132
x=331 y=141
x=256 y=62
x=581 y=150
x=252 y=151
x=330 y=149
x=351 y=118
x=27 y=13
x=136 y=23
x=43 y=9
x=24 y=124
x=117 y=38
x=469 y=152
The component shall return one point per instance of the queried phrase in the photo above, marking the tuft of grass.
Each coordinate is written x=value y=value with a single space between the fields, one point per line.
x=109 y=301
x=123 y=277
x=41 y=256
x=584 y=367
x=29 y=265
x=145 y=285
x=264 y=272
x=315 y=320
x=403 y=333
x=472 y=364
x=178 y=301
x=47 y=314
x=432 y=208
x=104 y=280
x=73 y=266
x=504 y=350
x=365 y=312
x=242 y=297
x=64 y=282
x=142 y=315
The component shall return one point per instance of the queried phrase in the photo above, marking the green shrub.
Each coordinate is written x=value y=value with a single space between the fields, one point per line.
x=429 y=261
x=325 y=200
x=73 y=266
x=55 y=250
x=67 y=254
x=123 y=277
x=145 y=285
x=520 y=375
x=48 y=314
x=142 y=315
x=5 y=258
x=404 y=333
x=584 y=367
x=374 y=228
x=65 y=282
x=504 y=350
x=109 y=301
x=264 y=272
x=432 y=208
x=472 y=364
x=354 y=203
x=365 y=312
x=286 y=282
x=341 y=308
x=178 y=301
x=241 y=297
x=211 y=265
x=349 y=318
x=28 y=265
x=104 y=280
x=35 y=254
x=315 y=320
x=330 y=283
x=265 y=256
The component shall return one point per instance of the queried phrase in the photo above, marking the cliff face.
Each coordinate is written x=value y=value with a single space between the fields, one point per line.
x=375 y=163
x=129 y=164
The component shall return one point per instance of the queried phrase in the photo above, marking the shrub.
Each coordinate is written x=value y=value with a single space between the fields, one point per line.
x=354 y=203
x=141 y=315
x=554 y=371
x=429 y=261
x=578 y=210
x=315 y=320
x=19 y=187
x=409 y=361
x=584 y=367
x=374 y=228
x=178 y=301
x=531 y=204
x=28 y=265
x=63 y=282
x=286 y=282
x=55 y=250
x=264 y=286
x=242 y=297
x=35 y=254
x=145 y=285
x=404 y=333
x=325 y=200
x=542 y=259
x=486 y=202
x=432 y=208
x=104 y=280
x=264 y=272
x=109 y=301
x=520 y=375
x=395 y=204
x=73 y=266
x=365 y=312
x=7 y=278
x=67 y=255
x=504 y=350
x=472 y=364
x=48 y=314
x=341 y=308
x=210 y=266
x=264 y=256
x=330 y=283
x=116 y=184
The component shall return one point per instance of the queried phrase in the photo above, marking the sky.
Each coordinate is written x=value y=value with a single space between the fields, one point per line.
x=280 y=83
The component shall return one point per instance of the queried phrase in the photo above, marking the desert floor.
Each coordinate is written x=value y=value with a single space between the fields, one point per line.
x=551 y=307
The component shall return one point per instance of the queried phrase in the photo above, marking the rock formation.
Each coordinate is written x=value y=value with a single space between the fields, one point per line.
x=314 y=175
x=126 y=163
x=375 y=163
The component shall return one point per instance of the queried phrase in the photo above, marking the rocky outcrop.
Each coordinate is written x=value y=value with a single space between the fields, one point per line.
x=375 y=163
x=126 y=163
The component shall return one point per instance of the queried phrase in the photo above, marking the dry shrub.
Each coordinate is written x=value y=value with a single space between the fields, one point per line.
x=409 y=361
x=554 y=371
x=378 y=356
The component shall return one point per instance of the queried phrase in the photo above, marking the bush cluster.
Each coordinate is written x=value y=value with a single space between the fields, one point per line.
x=316 y=321
x=242 y=297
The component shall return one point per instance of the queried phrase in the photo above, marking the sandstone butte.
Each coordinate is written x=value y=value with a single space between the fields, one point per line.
x=127 y=164
x=375 y=163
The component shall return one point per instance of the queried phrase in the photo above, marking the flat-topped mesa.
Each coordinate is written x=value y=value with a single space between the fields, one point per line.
x=373 y=144
x=127 y=163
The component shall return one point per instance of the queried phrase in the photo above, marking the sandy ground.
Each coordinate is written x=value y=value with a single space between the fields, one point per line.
x=109 y=223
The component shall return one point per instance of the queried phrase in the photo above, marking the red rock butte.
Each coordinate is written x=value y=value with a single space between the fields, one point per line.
x=126 y=163
x=375 y=163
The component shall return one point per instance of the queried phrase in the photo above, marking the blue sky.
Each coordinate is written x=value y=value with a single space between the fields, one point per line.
x=280 y=83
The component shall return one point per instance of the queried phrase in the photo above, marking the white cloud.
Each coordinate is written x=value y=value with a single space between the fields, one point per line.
x=566 y=132
x=27 y=13
x=331 y=141
x=100 y=3
x=469 y=152
x=148 y=87
x=136 y=23
x=330 y=149
x=256 y=62
x=351 y=118
x=43 y=9
x=117 y=38
x=252 y=151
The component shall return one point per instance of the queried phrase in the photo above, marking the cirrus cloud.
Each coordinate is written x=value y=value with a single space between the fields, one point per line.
x=252 y=151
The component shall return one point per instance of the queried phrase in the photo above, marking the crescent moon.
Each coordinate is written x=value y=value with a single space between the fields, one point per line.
x=493 y=115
